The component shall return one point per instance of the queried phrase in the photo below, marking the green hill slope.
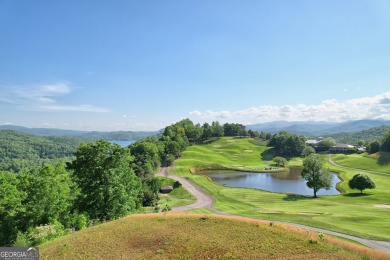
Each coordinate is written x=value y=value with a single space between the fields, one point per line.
x=18 y=150
x=185 y=236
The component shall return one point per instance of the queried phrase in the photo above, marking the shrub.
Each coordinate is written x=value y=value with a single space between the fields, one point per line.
x=81 y=222
x=42 y=234
x=22 y=240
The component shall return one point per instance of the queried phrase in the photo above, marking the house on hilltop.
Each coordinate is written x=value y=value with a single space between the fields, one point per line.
x=312 y=143
x=342 y=148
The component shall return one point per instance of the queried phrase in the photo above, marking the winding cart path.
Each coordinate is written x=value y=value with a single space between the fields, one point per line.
x=204 y=200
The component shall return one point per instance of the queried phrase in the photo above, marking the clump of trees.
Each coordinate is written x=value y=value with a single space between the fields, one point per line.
x=34 y=198
x=280 y=161
x=288 y=144
x=361 y=182
x=382 y=145
x=307 y=151
x=315 y=174
x=385 y=146
x=327 y=143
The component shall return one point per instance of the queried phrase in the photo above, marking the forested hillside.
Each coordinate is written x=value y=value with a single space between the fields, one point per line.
x=369 y=135
x=85 y=135
x=19 y=150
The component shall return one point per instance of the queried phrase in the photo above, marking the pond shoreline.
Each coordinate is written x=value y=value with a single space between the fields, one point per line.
x=288 y=181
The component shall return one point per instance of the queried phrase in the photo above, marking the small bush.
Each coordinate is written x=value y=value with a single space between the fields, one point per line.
x=81 y=222
x=166 y=208
x=22 y=240
x=42 y=234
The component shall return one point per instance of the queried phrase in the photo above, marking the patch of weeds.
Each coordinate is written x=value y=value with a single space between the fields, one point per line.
x=160 y=251
x=337 y=248
x=311 y=241
x=166 y=208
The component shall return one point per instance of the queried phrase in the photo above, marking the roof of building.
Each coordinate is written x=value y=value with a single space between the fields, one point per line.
x=346 y=146
x=312 y=142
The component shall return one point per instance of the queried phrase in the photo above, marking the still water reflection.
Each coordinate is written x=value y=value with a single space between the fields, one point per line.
x=286 y=182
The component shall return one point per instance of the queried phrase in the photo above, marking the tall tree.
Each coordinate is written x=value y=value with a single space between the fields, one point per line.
x=207 y=131
x=386 y=142
x=50 y=195
x=10 y=206
x=374 y=147
x=314 y=173
x=109 y=188
x=218 y=130
x=327 y=143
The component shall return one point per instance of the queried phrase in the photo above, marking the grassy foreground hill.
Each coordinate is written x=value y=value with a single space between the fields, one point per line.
x=191 y=236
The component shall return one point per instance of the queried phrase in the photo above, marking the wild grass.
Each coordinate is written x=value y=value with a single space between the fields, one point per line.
x=188 y=236
x=348 y=213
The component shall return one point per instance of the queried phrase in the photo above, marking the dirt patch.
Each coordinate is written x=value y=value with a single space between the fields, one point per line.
x=383 y=206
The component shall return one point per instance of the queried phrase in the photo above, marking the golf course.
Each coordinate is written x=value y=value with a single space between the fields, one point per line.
x=362 y=215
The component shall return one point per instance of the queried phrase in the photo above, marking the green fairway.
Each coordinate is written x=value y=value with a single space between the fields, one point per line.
x=378 y=162
x=349 y=213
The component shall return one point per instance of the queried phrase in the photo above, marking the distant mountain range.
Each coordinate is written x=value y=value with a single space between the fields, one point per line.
x=117 y=135
x=315 y=129
x=308 y=129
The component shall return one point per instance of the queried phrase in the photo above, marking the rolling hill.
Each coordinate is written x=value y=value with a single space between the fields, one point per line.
x=85 y=135
x=189 y=236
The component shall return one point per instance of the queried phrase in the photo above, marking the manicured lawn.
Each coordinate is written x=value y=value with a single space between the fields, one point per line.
x=349 y=213
x=186 y=236
x=377 y=162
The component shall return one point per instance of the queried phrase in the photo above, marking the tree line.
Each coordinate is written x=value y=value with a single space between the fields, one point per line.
x=100 y=181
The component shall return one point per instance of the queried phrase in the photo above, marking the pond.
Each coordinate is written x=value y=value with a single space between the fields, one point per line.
x=286 y=182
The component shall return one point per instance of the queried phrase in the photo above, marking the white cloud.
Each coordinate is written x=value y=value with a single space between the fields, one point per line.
x=375 y=107
x=44 y=93
x=80 y=108
x=45 y=98
x=221 y=114
x=195 y=113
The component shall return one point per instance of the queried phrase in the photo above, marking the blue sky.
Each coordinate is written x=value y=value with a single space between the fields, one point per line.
x=142 y=65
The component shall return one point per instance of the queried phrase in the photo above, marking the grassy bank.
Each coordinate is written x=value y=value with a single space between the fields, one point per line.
x=376 y=162
x=349 y=213
x=186 y=236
